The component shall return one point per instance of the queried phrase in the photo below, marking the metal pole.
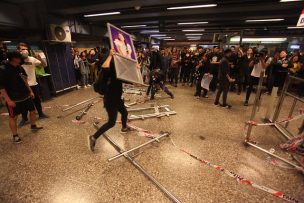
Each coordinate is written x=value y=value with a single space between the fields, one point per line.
x=153 y=115
x=281 y=100
x=139 y=146
x=83 y=102
x=147 y=108
x=140 y=168
x=256 y=104
x=276 y=156
x=291 y=110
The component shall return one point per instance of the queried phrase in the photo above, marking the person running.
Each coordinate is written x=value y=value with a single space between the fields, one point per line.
x=17 y=93
x=224 y=79
x=29 y=65
x=112 y=99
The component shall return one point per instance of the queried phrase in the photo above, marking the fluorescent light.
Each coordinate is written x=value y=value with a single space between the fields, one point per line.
x=6 y=42
x=264 y=40
x=295 y=27
x=160 y=35
x=149 y=31
x=265 y=20
x=163 y=37
x=169 y=39
x=198 y=30
x=131 y=26
x=194 y=6
x=194 y=39
x=194 y=34
x=101 y=14
x=289 y=0
x=192 y=23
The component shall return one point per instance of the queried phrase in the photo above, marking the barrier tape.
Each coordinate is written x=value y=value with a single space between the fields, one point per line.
x=239 y=178
x=143 y=132
x=230 y=173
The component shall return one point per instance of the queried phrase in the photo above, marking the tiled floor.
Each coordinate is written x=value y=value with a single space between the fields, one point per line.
x=55 y=165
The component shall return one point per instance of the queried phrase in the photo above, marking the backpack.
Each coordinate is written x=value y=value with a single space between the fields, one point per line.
x=100 y=84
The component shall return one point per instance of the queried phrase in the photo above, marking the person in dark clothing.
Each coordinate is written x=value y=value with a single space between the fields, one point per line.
x=155 y=60
x=185 y=68
x=214 y=61
x=113 y=101
x=224 y=79
x=157 y=78
x=233 y=68
x=201 y=69
x=17 y=93
x=174 y=67
x=280 y=69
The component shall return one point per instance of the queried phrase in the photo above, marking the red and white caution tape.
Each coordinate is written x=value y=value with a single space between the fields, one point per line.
x=240 y=179
x=78 y=122
x=143 y=132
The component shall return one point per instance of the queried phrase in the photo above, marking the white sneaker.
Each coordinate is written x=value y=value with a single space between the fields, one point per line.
x=88 y=85
x=85 y=86
x=78 y=87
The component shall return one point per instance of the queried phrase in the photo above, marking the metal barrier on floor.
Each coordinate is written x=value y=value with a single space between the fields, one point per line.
x=282 y=128
x=159 y=111
x=125 y=154
x=251 y=123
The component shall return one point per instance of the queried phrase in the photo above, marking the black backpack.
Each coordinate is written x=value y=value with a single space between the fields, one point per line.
x=100 y=85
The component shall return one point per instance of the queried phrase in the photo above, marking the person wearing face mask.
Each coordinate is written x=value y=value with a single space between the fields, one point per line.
x=280 y=69
x=29 y=65
x=17 y=93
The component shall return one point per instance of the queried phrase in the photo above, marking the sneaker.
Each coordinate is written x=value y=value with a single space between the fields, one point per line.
x=216 y=103
x=91 y=143
x=206 y=96
x=85 y=87
x=43 y=116
x=22 y=123
x=125 y=130
x=226 y=106
x=172 y=96
x=35 y=128
x=78 y=87
x=246 y=103
x=17 y=139
x=89 y=85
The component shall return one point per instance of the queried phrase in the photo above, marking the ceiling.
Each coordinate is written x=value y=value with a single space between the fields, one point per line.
x=228 y=17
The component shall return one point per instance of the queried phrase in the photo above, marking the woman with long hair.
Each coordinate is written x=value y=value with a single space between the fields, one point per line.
x=122 y=46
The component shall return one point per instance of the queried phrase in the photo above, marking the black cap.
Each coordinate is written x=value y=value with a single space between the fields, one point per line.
x=11 y=55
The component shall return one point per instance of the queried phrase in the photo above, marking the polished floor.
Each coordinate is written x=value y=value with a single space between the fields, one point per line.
x=56 y=166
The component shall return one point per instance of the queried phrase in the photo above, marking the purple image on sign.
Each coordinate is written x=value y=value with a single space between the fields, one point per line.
x=122 y=43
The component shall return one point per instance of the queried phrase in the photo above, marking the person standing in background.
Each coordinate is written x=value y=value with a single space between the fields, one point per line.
x=93 y=62
x=174 y=67
x=214 y=61
x=224 y=79
x=84 y=69
x=29 y=65
x=76 y=60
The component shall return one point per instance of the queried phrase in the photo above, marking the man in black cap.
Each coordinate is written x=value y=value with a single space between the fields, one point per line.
x=16 y=92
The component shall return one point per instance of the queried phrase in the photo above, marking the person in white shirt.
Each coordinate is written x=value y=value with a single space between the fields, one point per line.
x=122 y=46
x=260 y=64
x=29 y=66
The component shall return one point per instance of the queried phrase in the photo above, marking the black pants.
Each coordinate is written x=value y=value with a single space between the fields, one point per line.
x=213 y=83
x=37 y=102
x=173 y=76
x=223 y=88
x=252 y=81
x=185 y=74
x=112 y=110
x=152 y=88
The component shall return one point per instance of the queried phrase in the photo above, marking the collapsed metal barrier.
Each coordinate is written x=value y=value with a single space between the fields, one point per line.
x=158 y=113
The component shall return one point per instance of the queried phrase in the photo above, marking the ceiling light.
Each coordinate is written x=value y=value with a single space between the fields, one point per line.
x=192 y=23
x=160 y=35
x=132 y=26
x=149 y=31
x=284 y=1
x=169 y=39
x=194 y=34
x=199 y=30
x=265 y=20
x=237 y=39
x=6 y=42
x=101 y=14
x=295 y=27
x=194 y=39
x=163 y=37
x=194 y=6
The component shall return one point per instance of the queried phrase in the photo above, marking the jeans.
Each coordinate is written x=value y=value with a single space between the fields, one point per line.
x=112 y=110
x=223 y=88
x=37 y=102
x=85 y=79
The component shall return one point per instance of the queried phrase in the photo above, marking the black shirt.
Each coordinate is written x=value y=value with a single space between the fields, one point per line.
x=12 y=79
x=214 y=57
x=113 y=91
x=223 y=70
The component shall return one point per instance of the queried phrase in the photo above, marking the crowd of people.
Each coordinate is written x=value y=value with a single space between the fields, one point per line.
x=234 y=69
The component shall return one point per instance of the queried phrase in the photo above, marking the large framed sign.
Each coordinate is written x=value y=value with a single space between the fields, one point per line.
x=125 y=58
